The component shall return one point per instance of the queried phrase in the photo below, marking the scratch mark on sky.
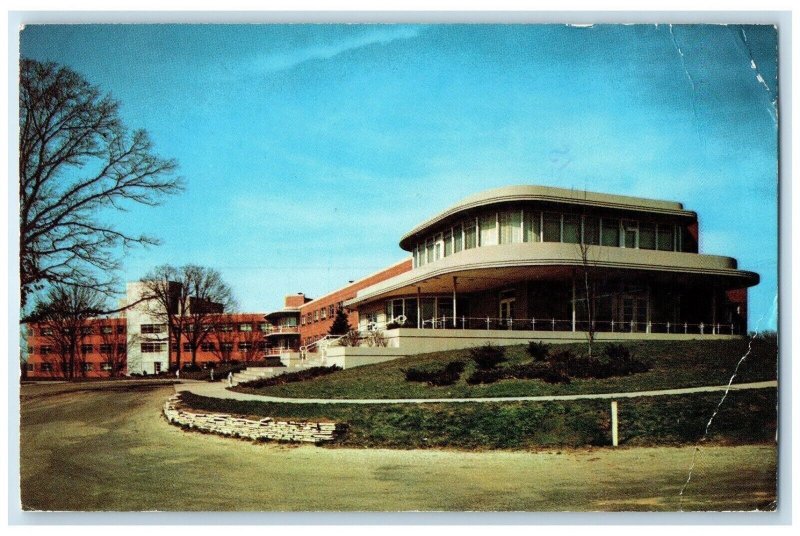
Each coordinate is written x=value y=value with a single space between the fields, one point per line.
x=773 y=110
x=688 y=76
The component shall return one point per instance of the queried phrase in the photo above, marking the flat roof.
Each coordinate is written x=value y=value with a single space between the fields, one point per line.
x=553 y=195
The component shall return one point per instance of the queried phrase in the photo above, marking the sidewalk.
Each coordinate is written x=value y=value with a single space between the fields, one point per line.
x=218 y=390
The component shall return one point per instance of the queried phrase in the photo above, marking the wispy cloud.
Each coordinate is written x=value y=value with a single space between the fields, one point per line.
x=283 y=61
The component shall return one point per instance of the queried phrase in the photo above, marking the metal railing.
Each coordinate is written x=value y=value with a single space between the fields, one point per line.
x=281 y=329
x=557 y=324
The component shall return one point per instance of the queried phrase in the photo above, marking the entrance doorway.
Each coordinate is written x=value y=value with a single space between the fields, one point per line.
x=506 y=310
x=633 y=313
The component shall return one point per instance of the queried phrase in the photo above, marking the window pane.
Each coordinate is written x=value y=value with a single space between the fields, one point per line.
x=665 y=237
x=448 y=243
x=458 y=241
x=421 y=255
x=470 y=234
x=510 y=229
x=571 y=229
x=532 y=226
x=429 y=251
x=428 y=310
x=610 y=232
x=591 y=230
x=411 y=312
x=397 y=308
x=630 y=229
x=488 y=226
x=552 y=227
x=647 y=236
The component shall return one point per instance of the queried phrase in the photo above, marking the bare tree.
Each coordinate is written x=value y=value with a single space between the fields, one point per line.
x=588 y=284
x=254 y=345
x=223 y=339
x=77 y=158
x=64 y=318
x=114 y=347
x=190 y=300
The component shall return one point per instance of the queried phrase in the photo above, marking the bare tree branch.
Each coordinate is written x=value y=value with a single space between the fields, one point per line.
x=77 y=158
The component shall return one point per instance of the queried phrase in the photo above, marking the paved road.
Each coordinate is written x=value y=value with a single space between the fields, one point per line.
x=218 y=390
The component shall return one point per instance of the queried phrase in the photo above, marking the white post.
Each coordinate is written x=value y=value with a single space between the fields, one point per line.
x=713 y=310
x=419 y=307
x=573 y=303
x=614 y=424
x=454 y=301
x=487 y=323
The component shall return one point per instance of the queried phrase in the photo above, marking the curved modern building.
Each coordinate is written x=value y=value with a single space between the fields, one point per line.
x=534 y=258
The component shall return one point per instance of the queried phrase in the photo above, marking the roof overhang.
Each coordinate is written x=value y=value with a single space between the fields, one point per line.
x=282 y=313
x=493 y=266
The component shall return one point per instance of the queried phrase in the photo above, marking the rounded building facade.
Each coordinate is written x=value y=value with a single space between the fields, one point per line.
x=542 y=258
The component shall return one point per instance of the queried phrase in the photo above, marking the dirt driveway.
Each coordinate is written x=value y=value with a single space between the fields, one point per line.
x=108 y=448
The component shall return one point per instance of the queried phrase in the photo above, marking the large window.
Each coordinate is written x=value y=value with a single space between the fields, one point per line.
x=154 y=328
x=532 y=226
x=591 y=230
x=458 y=240
x=153 y=347
x=448 y=243
x=571 y=233
x=630 y=230
x=647 y=236
x=510 y=227
x=488 y=229
x=429 y=250
x=665 y=235
x=610 y=230
x=552 y=227
x=470 y=234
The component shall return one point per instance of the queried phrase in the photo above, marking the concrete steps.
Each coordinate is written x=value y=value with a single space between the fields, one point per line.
x=254 y=373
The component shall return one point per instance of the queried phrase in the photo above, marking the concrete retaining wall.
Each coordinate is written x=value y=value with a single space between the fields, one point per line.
x=403 y=342
x=266 y=428
x=356 y=356
x=417 y=341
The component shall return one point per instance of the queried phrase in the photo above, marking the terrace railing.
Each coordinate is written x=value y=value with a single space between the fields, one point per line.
x=600 y=326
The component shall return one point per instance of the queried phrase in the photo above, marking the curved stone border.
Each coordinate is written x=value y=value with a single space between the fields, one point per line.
x=266 y=428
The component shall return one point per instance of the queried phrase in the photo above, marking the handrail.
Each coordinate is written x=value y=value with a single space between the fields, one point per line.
x=557 y=324
x=321 y=344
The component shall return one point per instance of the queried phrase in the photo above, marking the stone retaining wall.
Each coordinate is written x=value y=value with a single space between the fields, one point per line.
x=266 y=428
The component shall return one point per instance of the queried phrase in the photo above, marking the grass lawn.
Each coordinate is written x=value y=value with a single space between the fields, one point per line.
x=746 y=417
x=674 y=364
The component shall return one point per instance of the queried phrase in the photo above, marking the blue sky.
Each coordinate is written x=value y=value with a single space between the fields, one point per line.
x=308 y=150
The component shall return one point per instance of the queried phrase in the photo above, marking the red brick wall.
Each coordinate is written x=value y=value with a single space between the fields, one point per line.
x=37 y=340
x=96 y=359
x=310 y=332
x=738 y=298
x=295 y=300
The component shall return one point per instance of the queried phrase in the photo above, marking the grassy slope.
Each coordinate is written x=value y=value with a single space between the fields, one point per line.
x=746 y=417
x=674 y=364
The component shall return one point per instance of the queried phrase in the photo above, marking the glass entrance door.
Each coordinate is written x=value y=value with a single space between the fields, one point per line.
x=506 y=312
x=634 y=310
